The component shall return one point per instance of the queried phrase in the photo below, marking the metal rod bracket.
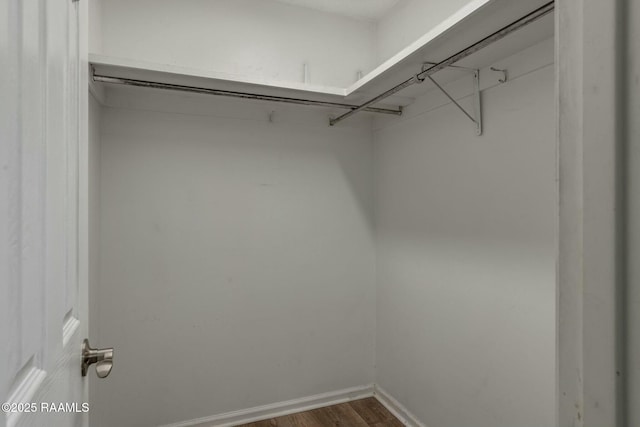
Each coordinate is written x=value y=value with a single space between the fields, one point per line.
x=505 y=76
x=477 y=101
x=476 y=118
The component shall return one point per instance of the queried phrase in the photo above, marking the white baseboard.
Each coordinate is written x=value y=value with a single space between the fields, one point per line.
x=279 y=409
x=396 y=408
x=273 y=410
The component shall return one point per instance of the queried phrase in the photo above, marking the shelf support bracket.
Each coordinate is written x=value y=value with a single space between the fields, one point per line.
x=476 y=118
x=477 y=101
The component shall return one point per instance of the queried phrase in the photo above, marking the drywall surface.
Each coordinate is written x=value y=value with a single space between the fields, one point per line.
x=466 y=259
x=237 y=259
x=95 y=25
x=261 y=39
x=408 y=21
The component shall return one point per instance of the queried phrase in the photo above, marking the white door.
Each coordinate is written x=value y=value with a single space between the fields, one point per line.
x=43 y=277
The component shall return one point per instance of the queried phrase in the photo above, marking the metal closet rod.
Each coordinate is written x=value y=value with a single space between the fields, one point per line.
x=420 y=77
x=243 y=95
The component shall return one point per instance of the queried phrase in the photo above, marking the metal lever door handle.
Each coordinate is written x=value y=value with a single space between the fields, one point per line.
x=103 y=358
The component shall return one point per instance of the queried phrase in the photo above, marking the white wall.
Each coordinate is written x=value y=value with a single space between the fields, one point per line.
x=237 y=257
x=408 y=21
x=466 y=257
x=95 y=26
x=257 y=38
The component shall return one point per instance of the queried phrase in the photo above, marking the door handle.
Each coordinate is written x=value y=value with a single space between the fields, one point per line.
x=102 y=357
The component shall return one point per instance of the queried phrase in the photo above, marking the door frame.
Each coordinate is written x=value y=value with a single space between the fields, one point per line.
x=590 y=112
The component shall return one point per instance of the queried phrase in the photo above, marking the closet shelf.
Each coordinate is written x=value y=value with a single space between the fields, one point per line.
x=167 y=73
x=476 y=20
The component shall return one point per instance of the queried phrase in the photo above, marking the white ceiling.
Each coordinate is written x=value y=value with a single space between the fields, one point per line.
x=371 y=10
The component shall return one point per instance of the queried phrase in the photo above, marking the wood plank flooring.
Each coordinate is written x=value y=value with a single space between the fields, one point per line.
x=358 y=413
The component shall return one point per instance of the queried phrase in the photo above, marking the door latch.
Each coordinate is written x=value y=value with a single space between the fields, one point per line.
x=103 y=358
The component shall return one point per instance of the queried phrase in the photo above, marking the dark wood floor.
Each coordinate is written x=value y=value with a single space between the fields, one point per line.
x=358 y=413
